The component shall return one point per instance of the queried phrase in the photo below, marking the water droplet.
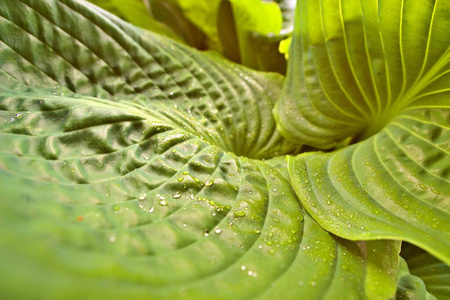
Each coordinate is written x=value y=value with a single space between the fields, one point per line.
x=176 y=195
x=163 y=203
x=251 y=273
x=435 y=191
x=143 y=197
x=180 y=179
x=112 y=239
x=423 y=186
x=243 y=268
x=151 y=209
x=239 y=213
x=205 y=232
x=209 y=183
x=217 y=230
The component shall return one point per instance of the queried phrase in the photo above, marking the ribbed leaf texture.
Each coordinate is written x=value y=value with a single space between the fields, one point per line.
x=131 y=168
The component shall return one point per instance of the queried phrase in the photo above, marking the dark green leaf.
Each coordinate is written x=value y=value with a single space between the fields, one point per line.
x=434 y=273
x=411 y=287
x=182 y=16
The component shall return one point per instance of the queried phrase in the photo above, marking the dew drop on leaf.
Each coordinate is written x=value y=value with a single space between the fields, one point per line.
x=239 y=213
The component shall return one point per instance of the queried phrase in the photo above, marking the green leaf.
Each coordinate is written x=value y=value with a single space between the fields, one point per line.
x=356 y=65
x=188 y=19
x=136 y=13
x=377 y=73
x=130 y=169
x=250 y=32
x=434 y=273
x=391 y=186
x=410 y=287
x=284 y=47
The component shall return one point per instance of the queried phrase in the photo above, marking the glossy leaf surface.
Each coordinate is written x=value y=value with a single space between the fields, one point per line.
x=356 y=65
x=131 y=167
x=376 y=75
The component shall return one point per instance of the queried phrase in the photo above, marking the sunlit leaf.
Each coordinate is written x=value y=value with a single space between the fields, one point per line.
x=356 y=65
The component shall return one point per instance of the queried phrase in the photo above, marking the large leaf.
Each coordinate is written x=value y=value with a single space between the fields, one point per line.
x=355 y=65
x=434 y=273
x=395 y=84
x=120 y=175
x=393 y=185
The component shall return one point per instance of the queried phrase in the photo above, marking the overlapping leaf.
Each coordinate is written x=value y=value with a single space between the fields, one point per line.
x=434 y=273
x=357 y=64
x=394 y=185
x=382 y=72
x=119 y=178
x=250 y=32
x=411 y=287
x=193 y=21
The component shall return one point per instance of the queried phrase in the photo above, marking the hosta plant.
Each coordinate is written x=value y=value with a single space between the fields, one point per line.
x=135 y=167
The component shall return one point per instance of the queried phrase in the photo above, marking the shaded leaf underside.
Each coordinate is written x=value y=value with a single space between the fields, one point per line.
x=434 y=273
